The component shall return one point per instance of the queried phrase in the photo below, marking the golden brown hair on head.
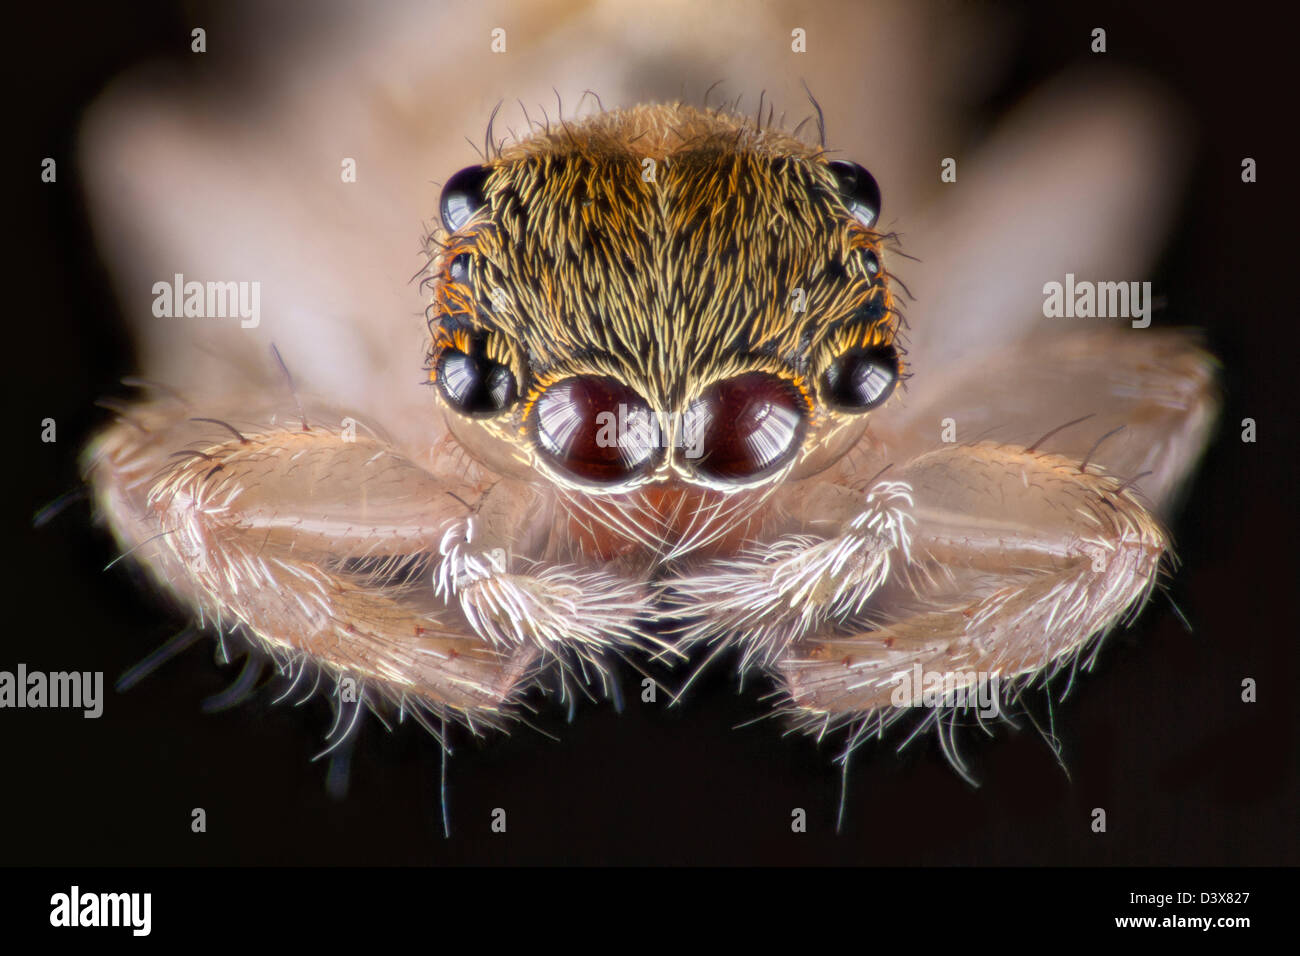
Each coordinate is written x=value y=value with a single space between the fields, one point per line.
x=664 y=246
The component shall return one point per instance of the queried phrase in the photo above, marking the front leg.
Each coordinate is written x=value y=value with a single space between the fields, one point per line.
x=770 y=595
x=510 y=599
x=1019 y=558
x=334 y=546
x=983 y=559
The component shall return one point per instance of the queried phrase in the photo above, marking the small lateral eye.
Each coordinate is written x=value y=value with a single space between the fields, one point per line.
x=595 y=428
x=872 y=262
x=750 y=426
x=458 y=270
x=473 y=383
x=859 y=191
x=463 y=195
x=861 y=379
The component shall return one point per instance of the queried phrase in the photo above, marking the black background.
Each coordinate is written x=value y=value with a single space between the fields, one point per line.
x=1156 y=734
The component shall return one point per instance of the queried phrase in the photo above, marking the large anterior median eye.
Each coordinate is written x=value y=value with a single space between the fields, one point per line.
x=473 y=382
x=595 y=429
x=747 y=426
x=861 y=379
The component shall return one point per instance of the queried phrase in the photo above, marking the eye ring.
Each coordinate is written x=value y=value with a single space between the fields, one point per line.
x=464 y=194
x=472 y=382
x=861 y=378
x=859 y=190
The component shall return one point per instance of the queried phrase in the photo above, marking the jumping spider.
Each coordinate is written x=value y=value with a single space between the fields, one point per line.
x=666 y=365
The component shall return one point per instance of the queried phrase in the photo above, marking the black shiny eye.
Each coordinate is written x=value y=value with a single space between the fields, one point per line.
x=861 y=379
x=859 y=191
x=596 y=429
x=463 y=195
x=459 y=268
x=473 y=383
x=872 y=263
x=746 y=426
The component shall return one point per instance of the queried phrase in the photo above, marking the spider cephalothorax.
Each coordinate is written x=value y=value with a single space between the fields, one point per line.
x=712 y=290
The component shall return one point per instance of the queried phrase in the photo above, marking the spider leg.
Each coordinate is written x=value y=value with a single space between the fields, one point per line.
x=1132 y=401
x=1018 y=559
x=322 y=543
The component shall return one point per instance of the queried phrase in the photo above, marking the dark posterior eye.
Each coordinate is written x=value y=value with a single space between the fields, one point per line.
x=474 y=383
x=596 y=429
x=463 y=195
x=459 y=268
x=859 y=191
x=748 y=425
x=861 y=379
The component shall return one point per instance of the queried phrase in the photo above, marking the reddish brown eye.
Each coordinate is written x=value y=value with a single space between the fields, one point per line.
x=749 y=425
x=596 y=429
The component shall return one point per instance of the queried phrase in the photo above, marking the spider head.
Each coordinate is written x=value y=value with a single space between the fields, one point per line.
x=661 y=296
